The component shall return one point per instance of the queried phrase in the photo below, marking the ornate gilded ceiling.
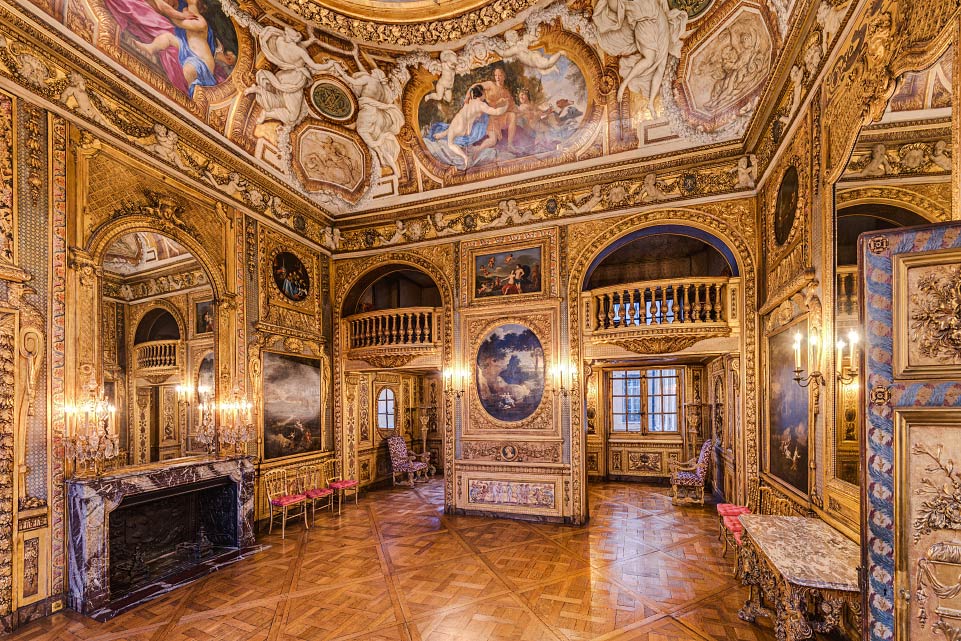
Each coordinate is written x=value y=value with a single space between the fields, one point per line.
x=345 y=105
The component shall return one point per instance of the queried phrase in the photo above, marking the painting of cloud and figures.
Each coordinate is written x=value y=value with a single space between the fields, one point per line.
x=510 y=372
x=505 y=111
x=190 y=42
x=787 y=412
x=292 y=405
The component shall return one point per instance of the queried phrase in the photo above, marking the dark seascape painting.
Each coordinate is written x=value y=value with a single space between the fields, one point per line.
x=510 y=373
x=787 y=449
x=507 y=273
x=291 y=405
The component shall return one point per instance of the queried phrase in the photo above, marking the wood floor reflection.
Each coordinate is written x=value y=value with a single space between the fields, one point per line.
x=396 y=568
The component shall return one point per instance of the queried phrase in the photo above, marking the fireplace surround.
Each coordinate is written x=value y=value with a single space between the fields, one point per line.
x=141 y=532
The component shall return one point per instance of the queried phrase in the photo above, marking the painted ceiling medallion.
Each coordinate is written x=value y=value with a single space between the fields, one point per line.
x=330 y=99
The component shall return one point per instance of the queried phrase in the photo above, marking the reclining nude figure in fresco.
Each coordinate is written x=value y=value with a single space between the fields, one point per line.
x=469 y=125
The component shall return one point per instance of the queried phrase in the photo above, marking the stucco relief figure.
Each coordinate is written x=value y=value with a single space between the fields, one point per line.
x=280 y=93
x=517 y=48
x=511 y=214
x=830 y=18
x=878 y=163
x=797 y=86
x=735 y=67
x=644 y=33
x=163 y=144
x=447 y=68
x=652 y=189
x=379 y=119
x=330 y=238
x=588 y=203
x=941 y=156
x=747 y=171
x=75 y=97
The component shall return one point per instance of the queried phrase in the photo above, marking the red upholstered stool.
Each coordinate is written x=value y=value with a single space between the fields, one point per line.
x=725 y=510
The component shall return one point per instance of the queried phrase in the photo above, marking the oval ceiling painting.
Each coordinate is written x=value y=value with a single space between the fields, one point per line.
x=531 y=105
x=510 y=372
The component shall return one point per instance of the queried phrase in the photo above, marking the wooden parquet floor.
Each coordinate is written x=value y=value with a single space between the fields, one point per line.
x=395 y=568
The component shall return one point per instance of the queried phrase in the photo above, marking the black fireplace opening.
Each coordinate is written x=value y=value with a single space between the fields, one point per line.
x=157 y=535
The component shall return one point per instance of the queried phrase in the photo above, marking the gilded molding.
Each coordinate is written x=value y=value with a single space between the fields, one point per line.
x=930 y=200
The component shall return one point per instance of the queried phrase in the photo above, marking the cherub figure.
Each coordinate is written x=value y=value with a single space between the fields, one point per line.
x=447 y=68
x=518 y=48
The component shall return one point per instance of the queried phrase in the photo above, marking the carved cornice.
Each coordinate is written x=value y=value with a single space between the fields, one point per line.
x=431 y=32
x=662 y=343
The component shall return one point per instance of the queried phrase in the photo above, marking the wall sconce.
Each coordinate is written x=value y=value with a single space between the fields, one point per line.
x=850 y=374
x=205 y=431
x=92 y=440
x=816 y=377
x=562 y=378
x=456 y=380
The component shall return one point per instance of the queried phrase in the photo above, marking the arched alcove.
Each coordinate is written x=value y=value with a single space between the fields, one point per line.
x=391 y=287
x=157 y=325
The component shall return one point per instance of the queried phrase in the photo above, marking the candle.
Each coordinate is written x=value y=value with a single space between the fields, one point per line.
x=816 y=365
x=797 y=351
x=840 y=355
x=853 y=340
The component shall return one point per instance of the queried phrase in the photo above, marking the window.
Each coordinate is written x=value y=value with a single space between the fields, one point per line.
x=385 y=409
x=644 y=401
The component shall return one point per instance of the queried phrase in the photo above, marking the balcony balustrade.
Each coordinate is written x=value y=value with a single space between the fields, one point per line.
x=157 y=355
x=636 y=315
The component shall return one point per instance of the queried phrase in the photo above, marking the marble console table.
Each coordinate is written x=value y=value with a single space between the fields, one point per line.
x=798 y=564
x=91 y=500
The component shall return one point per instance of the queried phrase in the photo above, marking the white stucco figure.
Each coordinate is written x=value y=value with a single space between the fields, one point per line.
x=330 y=238
x=517 y=48
x=940 y=157
x=644 y=33
x=510 y=214
x=797 y=86
x=878 y=163
x=588 y=203
x=651 y=188
x=76 y=91
x=163 y=144
x=379 y=119
x=830 y=18
x=280 y=93
x=400 y=233
x=447 y=68
x=747 y=171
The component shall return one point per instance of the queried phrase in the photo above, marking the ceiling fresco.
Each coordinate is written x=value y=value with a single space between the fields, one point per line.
x=140 y=251
x=360 y=122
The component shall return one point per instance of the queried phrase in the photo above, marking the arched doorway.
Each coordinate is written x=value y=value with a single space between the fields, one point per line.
x=392 y=321
x=158 y=325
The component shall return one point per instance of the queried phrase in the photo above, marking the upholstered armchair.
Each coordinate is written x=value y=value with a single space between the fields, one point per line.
x=403 y=462
x=688 y=478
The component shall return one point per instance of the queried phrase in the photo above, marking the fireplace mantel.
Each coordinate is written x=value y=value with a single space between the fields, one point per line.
x=91 y=500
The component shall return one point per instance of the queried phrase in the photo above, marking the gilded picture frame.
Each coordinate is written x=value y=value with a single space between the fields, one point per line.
x=788 y=439
x=518 y=267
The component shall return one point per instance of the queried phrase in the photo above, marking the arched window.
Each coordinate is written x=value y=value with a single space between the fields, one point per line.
x=386 y=410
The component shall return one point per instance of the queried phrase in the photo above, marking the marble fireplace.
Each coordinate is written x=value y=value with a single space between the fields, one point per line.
x=141 y=532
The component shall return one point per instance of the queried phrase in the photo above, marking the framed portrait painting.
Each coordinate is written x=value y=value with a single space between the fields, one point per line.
x=292 y=405
x=203 y=317
x=505 y=269
x=787 y=437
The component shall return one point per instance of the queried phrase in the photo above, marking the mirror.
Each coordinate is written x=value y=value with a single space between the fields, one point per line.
x=158 y=327
x=899 y=175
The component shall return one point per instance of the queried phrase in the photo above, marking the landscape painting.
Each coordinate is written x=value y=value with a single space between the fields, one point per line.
x=505 y=111
x=787 y=439
x=191 y=43
x=507 y=273
x=510 y=372
x=292 y=405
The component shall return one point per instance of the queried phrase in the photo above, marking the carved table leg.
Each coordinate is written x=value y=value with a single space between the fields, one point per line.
x=792 y=624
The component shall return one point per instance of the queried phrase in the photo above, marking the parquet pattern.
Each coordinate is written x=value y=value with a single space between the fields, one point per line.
x=395 y=568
